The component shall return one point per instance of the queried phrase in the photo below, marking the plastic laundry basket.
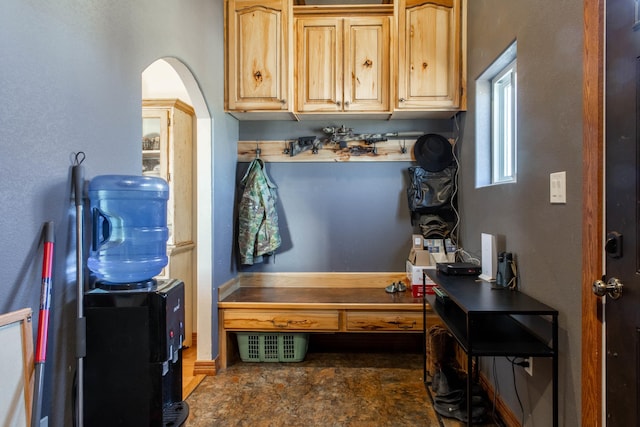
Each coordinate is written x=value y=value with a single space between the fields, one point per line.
x=272 y=346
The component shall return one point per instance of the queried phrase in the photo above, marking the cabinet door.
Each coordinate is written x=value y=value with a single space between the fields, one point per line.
x=429 y=54
x=258 y=54
x=366 y=64
x=180 y=175
x=155 y=135
x=319 y=64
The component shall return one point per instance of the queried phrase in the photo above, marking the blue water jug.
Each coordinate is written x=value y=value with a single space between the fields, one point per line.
x=129 y=228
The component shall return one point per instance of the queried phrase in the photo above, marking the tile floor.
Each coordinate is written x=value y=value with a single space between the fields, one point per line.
x=327 y=389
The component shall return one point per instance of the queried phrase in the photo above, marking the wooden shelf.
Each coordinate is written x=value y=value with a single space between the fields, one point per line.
x=500 y=334
x=274 y=151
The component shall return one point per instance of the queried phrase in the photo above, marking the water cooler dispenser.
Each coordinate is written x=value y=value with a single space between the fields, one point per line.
x=134 y=323
x=133 y=365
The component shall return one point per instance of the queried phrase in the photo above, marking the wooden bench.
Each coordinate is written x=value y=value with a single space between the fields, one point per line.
x=315 y=302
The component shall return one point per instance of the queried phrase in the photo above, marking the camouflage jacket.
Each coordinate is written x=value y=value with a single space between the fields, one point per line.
x=258 y=232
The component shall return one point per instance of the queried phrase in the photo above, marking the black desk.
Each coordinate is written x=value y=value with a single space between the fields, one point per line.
x=496 y=322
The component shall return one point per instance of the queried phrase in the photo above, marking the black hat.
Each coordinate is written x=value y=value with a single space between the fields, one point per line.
x=433 y=152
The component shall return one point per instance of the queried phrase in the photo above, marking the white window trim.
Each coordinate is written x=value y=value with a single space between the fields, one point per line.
x=503 y=129
x=483 y=118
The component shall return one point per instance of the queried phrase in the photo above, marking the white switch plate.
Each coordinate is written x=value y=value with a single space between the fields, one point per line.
x=558 y=187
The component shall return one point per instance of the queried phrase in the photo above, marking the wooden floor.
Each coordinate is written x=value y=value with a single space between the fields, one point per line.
x=189 y=381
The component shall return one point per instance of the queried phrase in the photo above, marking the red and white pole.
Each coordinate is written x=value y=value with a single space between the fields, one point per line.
x=43 y=322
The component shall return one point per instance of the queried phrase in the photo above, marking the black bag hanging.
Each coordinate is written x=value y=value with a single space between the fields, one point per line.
x=429 y=190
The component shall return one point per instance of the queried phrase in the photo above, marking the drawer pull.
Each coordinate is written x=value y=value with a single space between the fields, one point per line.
x=280 y=325
x=405 y=326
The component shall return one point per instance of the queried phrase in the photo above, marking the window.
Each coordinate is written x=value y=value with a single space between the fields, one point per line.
x=496 y=113
x=503 y=129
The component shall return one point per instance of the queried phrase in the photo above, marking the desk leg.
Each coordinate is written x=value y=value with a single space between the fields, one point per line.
x=555 y=370
x=424 y=332
x=469 y=386
x=469 y=372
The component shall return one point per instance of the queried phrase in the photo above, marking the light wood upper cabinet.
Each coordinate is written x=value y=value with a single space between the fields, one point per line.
x=430 y=54
x=401 y=60
x=342 y=64
x=258 y=68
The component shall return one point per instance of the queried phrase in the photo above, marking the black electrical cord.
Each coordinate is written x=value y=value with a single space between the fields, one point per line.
x=515 y=387
x=74 y=401
x=455 y=230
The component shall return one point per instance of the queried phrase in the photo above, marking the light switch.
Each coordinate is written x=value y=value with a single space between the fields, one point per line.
x=558 y=187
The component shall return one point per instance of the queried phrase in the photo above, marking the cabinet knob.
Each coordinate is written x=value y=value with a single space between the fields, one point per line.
x=346 y=103
x=401 y=100
x=283 y=101
x=338 y=103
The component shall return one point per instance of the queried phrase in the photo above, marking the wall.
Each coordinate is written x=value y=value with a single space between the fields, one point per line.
x=545 y=238
x=342 y=216
x=72 y=82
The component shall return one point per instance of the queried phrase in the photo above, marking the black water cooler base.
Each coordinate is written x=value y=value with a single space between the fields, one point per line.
x=175 y=414
x=133 y=363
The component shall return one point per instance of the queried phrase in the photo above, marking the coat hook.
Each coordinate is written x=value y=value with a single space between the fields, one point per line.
x=258 y=151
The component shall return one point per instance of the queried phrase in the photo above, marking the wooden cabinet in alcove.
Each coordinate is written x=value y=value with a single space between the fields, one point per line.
x=167 y=152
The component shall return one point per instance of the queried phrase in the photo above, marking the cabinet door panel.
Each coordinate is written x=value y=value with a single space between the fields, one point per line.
x=367 y=64
x=258 y=37
x=180 y=175
x=257 y=55
x=319 y=64
x=155 y=136
x=429 y=68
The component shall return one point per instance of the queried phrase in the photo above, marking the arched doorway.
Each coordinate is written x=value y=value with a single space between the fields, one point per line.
x=170 y=78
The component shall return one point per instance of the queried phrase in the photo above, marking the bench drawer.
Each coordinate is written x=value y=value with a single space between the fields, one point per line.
x=281 y=320
x=384 y=321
